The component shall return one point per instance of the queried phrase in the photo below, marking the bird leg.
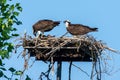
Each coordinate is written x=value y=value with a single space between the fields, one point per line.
x=42 y=35
x=64 y=34
x=38 y=35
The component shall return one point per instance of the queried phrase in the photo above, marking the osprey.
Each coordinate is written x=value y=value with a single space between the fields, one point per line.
x=78 y=29
x=44 y=25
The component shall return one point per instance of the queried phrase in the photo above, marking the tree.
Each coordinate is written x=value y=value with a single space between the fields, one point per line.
x=8 y=18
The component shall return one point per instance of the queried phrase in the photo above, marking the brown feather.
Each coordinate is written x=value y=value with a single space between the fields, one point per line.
x=79 y=29
x=44 y=25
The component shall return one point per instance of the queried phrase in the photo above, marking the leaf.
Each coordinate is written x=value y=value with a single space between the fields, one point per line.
x=5 y=35
x=27 y=78
x=12 y=69
x=1 y=74
x=17 y=5
x=3 y=8
x=7 y=5
x=1 y=20
x=12 y=7
x=6 y=14
x=3 y=26
x=16 y=13
x=6 y=77
x=3 y=1
x=2 y=68
x=4 y=54
x=10 y=47
x=18 y=22
x=18 y=73
x=0 y=62
x=15 y=34
x=6 y=44
x=20 y=9
x=10 y=20
x=14 y=29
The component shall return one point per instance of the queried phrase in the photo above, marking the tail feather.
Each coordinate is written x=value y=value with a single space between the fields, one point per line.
x=94 y=29
x=57 y=22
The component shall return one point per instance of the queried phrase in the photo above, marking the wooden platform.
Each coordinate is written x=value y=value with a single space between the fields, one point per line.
x=62 y=54
x=63 y=49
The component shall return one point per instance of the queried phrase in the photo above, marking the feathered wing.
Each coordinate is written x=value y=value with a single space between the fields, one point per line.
x=50 y=25
x=79 y=29
x=44 y=25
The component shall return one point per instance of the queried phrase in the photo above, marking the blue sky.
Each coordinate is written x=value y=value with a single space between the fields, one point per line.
x=104 y=14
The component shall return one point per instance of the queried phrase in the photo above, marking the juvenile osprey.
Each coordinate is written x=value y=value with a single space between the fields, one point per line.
x=44 y=25
x=78 y=29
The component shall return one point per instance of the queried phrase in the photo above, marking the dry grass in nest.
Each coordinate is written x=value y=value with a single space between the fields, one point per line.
x=64 y=48
x=51 y=48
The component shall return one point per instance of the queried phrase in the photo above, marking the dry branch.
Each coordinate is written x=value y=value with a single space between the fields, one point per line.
x=51 y=48
x=85 y=48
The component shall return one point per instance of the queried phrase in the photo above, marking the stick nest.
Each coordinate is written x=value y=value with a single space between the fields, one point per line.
x=85 y=48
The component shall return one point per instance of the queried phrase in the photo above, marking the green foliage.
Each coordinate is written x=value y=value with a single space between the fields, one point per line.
x=2 y=68
x=18 y=72
x=27 y=77
x=0 y=62
x=1 y=74
x=11 y=69
x=8 y=17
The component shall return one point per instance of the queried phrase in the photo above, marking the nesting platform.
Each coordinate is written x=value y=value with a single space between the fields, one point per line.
x=63 y=48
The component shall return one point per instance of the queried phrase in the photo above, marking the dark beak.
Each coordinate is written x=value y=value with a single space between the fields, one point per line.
x=64 y=21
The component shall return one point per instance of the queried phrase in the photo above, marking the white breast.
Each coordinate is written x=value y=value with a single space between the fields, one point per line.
x=66 y=24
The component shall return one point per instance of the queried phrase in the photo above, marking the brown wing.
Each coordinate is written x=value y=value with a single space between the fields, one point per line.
x=49 y=25
x=78 y=29
x=43 y=25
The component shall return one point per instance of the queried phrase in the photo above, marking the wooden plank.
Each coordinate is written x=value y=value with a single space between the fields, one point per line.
x=59 y=70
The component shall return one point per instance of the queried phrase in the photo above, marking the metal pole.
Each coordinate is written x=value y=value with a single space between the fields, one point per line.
x=59 y=68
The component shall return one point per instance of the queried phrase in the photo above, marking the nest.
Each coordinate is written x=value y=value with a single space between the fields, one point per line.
x=84 y=48
x=51 y=48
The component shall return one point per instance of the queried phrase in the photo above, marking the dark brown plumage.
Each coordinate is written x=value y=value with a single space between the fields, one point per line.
x=78 y=29
x=44 y=26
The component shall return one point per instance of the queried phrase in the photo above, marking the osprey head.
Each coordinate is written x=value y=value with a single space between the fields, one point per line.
x=67 y=22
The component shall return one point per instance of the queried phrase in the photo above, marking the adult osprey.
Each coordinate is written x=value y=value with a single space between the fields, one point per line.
x=78 y=29
x=44 y=25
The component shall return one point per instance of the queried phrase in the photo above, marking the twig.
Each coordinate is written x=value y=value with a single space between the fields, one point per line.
x=54 y=50
x=52 y=63
x=98 y=71
x=48 y=46
x=81 y=69
x=92 y=71
x=113 y=50
x=32 y=63
x=19 y=54
x=46 y=74
x=79 y=46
